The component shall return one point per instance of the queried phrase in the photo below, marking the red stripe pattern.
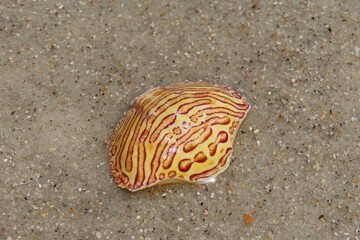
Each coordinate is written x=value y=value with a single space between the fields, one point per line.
x=179 y=133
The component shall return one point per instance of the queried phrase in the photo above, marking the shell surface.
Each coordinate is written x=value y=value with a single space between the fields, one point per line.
x=179 y=133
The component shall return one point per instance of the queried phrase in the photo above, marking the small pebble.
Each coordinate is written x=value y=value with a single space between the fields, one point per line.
x=248 y=219
x=317 y=166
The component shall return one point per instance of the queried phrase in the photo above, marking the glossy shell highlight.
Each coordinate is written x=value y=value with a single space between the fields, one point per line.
x=179 y=133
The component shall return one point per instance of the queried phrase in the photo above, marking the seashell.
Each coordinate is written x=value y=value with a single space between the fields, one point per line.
x=179 y=133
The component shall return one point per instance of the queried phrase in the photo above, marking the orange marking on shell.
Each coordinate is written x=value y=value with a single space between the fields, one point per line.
x=177 y=131
x=113 y=150
x=233 y=127
x=222 y=137
x=194 y=118
x=200 y=157
x=172 y=174
x=182 y=133
x=170 y=156
x=185 y=108
x=185 y=164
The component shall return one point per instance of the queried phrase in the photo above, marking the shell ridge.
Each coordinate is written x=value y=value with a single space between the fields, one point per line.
x=155 y=162
x=166 y=122
x=194 y=143
x=144 y=111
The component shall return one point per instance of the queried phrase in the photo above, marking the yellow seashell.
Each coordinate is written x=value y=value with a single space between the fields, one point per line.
x=179 y=133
